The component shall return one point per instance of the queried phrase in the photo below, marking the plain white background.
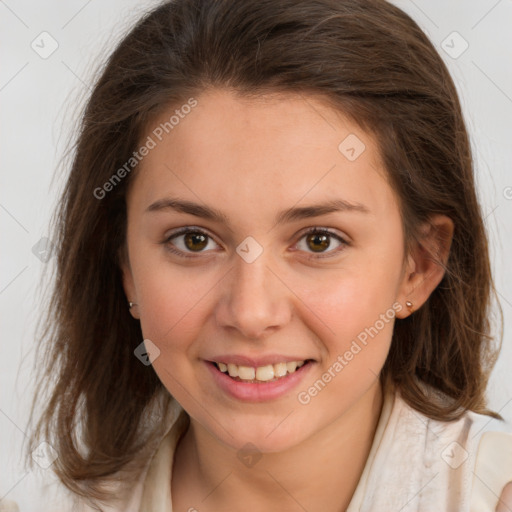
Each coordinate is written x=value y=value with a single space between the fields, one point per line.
x=39 y=100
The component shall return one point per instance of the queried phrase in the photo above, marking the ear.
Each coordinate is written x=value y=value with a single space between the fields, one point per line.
x=128 y=281
x=426 y=263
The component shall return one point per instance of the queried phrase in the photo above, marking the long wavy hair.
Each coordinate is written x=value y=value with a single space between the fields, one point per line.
x=368 y=59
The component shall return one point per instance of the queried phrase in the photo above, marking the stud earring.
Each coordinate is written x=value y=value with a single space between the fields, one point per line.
x=409 y=305
x=131 y=304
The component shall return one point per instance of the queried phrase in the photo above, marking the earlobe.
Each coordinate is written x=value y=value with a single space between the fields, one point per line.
x=426 y=265
x=128 y=285
x=133 y=312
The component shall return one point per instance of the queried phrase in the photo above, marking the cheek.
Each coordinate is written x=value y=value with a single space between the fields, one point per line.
x=357 y=309
x=174 y=302
x=171 y=305
x=172 y=317
x=352 y=301
x=356 y=332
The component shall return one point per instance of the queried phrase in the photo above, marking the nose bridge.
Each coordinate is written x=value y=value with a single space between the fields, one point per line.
x=254 y=299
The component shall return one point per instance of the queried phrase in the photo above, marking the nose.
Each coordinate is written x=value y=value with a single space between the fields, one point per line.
x=255 y=301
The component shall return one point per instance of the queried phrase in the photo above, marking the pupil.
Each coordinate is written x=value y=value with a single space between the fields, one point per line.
x=319 y=238
x=196 y=238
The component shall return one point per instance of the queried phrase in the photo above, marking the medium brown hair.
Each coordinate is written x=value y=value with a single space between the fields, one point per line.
x=368 y=59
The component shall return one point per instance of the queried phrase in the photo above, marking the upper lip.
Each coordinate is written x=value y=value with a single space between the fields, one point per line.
x=255 y=362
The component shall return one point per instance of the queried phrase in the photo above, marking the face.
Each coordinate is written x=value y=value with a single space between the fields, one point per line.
x=262 y=232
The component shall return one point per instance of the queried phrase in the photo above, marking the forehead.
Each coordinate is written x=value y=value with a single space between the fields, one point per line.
x=269 y=150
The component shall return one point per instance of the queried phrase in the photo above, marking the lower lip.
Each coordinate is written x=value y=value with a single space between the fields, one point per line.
x=258 y=391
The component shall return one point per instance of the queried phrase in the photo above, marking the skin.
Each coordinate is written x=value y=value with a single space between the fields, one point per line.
x=505 y=501
x=251 y=159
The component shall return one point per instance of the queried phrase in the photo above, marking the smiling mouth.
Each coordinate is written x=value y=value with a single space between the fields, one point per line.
x=267 y=373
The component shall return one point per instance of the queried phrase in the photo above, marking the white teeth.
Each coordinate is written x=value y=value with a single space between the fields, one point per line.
x=246 y=373
x=262 y=373
x=291 y=367
x=280 y=369
x=232 y=370
x=265 y=372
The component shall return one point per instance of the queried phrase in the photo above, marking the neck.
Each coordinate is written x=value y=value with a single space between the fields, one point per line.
x=321 y=473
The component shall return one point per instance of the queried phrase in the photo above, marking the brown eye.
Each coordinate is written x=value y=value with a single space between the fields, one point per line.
x=195 y=241
x=187 y=241
x=318 y=242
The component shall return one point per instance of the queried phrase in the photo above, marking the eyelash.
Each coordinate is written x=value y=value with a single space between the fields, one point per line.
x=314 y=230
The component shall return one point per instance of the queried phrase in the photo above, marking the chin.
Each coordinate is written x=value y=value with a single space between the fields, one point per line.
x=266 y=435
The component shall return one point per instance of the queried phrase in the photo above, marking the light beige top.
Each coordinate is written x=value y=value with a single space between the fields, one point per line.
x=415 y=464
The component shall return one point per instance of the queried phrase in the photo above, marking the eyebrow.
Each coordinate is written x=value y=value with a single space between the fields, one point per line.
x=288 y=215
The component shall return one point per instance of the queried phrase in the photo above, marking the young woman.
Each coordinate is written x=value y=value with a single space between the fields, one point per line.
x=273 y=287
